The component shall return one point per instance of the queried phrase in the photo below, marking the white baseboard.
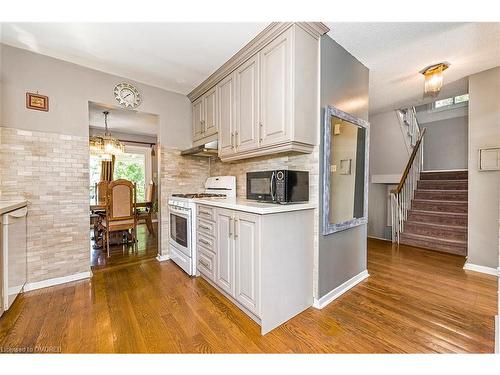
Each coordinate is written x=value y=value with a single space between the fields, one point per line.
x=482 y=269
x=162 y=258
x=57 y=280
x=379 y=238
x=497 y=335
x=338 y=291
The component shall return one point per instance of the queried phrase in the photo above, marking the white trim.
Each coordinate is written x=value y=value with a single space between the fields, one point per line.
x=482 y=269
x=497 y=335
x=162 y=258
x=341 y=289
x=57 y=281
x=379 y=238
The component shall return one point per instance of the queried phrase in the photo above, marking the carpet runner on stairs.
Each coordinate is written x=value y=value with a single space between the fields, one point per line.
x=437 y=219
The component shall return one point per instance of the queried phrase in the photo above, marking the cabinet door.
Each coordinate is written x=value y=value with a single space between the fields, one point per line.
x=247 y=261
x=247 y=105
x=276 y=90
x=198 y=114
x=209 y=123
x=225 y=114
x=224 y=277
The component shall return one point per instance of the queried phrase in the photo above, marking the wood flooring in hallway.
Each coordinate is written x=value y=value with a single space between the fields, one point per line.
x=415 y=301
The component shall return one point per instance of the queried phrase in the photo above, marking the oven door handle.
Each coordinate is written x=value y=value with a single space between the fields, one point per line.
x=273 y=183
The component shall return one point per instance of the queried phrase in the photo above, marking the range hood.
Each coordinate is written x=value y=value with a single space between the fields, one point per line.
x=208 y=149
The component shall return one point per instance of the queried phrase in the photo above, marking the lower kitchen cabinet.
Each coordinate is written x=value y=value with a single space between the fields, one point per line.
x=246 y=260
x=263 y=263
x=224 y=222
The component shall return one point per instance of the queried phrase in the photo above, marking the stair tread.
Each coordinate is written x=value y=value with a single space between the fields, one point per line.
x=447 y=226
x=432 y=238
x=449 y=181
x=443 y=190
x=438 y=213
x=438 y=201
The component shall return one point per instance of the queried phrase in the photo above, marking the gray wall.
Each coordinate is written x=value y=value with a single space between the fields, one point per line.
x=388 y=156
x=344 y=84
x=70 y=87
x=484 y=187
x=445 y=144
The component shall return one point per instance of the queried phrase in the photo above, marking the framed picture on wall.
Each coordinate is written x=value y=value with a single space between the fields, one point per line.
x=37 y=102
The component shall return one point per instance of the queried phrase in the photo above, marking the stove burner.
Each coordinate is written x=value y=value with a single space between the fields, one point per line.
x=199 y=195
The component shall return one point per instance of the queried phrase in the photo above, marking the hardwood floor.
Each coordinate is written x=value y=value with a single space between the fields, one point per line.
x=415 y=301
x=147 y=248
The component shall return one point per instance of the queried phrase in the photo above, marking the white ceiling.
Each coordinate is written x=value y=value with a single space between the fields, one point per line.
x=172 y=56
x=396 y=52
x=123 y=120
x=179 y=56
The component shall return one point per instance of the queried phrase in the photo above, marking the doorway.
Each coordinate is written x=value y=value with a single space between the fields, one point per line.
x=134 y=163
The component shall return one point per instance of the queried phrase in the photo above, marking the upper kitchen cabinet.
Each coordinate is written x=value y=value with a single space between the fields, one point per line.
x=270 y=93
x=205 y=117
x=198 y=115
x=276 y=85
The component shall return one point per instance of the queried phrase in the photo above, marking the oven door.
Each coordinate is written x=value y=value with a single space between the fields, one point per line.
x=261 y=186
x=180 y=229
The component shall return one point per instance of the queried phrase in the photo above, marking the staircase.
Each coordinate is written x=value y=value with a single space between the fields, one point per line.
x=437 y=216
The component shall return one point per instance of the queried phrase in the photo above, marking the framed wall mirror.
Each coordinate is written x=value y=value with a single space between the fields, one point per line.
x=345 y=171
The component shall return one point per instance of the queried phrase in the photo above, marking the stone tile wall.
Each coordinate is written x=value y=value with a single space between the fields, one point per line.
x=51 y=171
x=178 y=174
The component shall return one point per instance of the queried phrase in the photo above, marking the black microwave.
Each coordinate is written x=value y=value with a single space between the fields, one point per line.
x=280 y=186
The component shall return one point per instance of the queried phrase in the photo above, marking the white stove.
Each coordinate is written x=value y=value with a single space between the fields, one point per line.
x=182 y=213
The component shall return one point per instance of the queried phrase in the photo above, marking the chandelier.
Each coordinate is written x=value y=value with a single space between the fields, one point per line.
x=104 y=145
x=434 y=78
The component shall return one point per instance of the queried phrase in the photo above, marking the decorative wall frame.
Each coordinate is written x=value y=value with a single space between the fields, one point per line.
x=37 y=102
x=329 y=228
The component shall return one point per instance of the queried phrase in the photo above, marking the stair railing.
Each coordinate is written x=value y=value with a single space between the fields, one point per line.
x=402 y=196
x=409 y=125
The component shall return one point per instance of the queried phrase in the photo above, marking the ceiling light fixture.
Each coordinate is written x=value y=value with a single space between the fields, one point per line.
x=434 y=78
x=104 y=145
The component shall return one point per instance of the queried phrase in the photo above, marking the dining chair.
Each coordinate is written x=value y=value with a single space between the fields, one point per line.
x=101 y=189
x=147 y=213
x=120 y=210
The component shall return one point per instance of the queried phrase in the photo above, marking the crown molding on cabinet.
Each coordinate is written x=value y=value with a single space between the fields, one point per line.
x=316 y=29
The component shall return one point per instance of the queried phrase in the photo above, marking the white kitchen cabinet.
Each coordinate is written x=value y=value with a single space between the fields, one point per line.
x=247 y=253
x=276 y=85
x=205 y=117
x=225 y=250
x=246 y=135
x=210 y=108
x=263 y=262
x=226 y=114
x=198 y=116
x=13 y=252
x=275 y=104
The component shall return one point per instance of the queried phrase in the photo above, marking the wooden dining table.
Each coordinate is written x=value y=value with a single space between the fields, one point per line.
x=102 y=207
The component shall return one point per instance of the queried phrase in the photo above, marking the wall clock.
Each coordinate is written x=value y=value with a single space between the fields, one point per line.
x=127 y=95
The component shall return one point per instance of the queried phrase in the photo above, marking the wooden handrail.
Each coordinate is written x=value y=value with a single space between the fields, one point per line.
x=410 y=163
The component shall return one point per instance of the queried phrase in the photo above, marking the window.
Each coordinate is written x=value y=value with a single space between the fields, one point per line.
x=95 y=175
x=461 y=98
x=448 y=102
x=132 y=167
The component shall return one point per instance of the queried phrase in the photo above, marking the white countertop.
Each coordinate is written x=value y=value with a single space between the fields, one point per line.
x=255 y=207
x=11 y=205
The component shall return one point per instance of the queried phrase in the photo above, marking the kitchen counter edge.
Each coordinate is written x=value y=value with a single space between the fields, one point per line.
x=11 y=205
x=255 y=207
